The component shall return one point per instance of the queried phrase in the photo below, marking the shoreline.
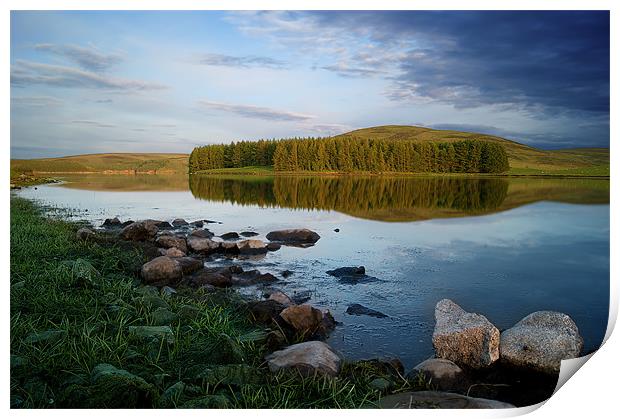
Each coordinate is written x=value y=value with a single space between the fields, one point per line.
x=362 y=378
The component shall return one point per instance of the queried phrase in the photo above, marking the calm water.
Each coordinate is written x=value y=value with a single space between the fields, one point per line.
x=500 y=247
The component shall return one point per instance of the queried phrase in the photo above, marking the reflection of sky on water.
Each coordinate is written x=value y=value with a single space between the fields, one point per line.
x=544 y=256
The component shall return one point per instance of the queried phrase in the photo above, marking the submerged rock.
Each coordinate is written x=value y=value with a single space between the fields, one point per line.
x=111 y=222
x=351 y=275
x=162 y=270
x=360 y=310
x=541 y=341
x=294 y=236
x=438 y=400
x=467 y=339
x=140 y=231
x=273 y=247
x=308 y=358
x=248 y=234
x=230 y=236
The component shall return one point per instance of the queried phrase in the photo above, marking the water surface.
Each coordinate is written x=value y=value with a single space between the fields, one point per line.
x=502 y=247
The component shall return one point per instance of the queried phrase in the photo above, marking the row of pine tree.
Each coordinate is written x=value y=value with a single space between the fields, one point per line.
x=351 y=154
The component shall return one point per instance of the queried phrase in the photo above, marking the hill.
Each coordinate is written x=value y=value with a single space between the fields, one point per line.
x=522 y=159
x=105 y=163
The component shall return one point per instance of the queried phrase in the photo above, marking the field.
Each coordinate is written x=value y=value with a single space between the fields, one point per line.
x=108 y=162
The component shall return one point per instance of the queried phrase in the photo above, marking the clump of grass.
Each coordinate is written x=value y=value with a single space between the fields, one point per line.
x=74 y=305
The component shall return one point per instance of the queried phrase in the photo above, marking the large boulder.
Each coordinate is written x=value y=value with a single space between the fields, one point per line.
x=189 y=264
x=281 y=298
x=162 y=270
x=468 y=339
x=85 y=234
x=202 y=245
x=216 y=278
x=540 y=341
x=442 y=374
x=438 y=400
x=202 y=233
x=168 y=241
x=265 y=311
x=251 y=246
x=294 y=236
x=140 y=231
x=172 y=252
x=308 y=358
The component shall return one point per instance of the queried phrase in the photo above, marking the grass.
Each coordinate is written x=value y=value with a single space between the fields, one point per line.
x=73 y=307
x=111 y=162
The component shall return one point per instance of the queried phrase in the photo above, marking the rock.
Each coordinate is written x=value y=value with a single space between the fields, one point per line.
x=272 y=247
x=84 y=234
x=300 y=297
x=308 y=358
x=351 y=275
x=438 y=400
x=266 y=278
x=162 y=270
x=360 y=310
x=251 y=246
x=304 y=318
x=281 y=298
x=248 y=234
x=202 y=245
x=264 y=312
x=230 y=236
x=468 y=339
x=294 y=236
x=442 y=374
x=168 y=241
x=163 y=225
x=163 y=317
x=126 y=223
x=381 y=384
x=139 y=231
x=152 y=333
x=218 y=278
x=286 y=273
x=189 y=264
x=179 y=222
x=168 y=291
x=540 y=341
x=173 y=252
x=113 y=388
x=337 y=230
x=229 y=247
x=111 y=222
x=203 y=234
x=198 y=223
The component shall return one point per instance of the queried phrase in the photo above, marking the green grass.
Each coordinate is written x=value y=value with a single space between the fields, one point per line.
x=72 y=306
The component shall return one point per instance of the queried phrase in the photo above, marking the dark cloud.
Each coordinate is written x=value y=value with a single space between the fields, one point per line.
x=25 y=73
x=257 y=112
x=87 y=58
x=249 y=61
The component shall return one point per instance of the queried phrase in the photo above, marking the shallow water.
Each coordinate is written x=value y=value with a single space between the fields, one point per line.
x=497 y=246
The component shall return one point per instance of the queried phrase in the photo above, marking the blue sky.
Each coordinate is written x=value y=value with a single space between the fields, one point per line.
x=87 y=82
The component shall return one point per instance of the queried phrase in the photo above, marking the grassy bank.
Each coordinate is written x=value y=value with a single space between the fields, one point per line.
x=74 y=306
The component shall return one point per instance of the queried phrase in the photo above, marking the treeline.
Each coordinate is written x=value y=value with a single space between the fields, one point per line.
x=367 y=197
x=351 y=154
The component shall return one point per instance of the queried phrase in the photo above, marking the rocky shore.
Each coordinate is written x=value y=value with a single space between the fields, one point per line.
x=475 y=365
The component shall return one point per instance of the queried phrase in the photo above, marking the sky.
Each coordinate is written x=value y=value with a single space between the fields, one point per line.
x=147 y=81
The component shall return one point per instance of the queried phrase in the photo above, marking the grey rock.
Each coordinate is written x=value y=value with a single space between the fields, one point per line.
x=162 y=270
x=540 y=341
x=442 y=374
x=189 y=264
x=202 y=245
x=230 y=236
x=172 y=252
x=248 y=234
x=203 y=234
x=168 y=291
x=168 y=241
x=273 y=247
x=438 y=400
x=111 y=222
x=360 y=310
x=84 y=234
x=351 y=275
x=468 y=339
x=281 y=298
x=140 y=231
x=252 y=246
x=179 y=222
x=308 y=358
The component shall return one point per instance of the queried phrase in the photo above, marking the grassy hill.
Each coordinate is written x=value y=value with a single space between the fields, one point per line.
x=107 y=162
x=523 y=159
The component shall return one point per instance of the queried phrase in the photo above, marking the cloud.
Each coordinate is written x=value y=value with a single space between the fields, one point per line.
x=249 y=61
x=93 y=123
x=344 y=71
x=328 y=129
x=25 y=73
x=87 y=58
x=257 y=112
x=36 y=101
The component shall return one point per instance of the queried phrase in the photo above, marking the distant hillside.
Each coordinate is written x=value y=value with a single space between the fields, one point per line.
x=522 y=159
x=107 y=162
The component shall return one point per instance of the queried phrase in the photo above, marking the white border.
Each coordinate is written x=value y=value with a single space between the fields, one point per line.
x=592 y=392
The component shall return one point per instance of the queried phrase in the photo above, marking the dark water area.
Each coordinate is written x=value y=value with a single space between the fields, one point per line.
x=502 y=247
